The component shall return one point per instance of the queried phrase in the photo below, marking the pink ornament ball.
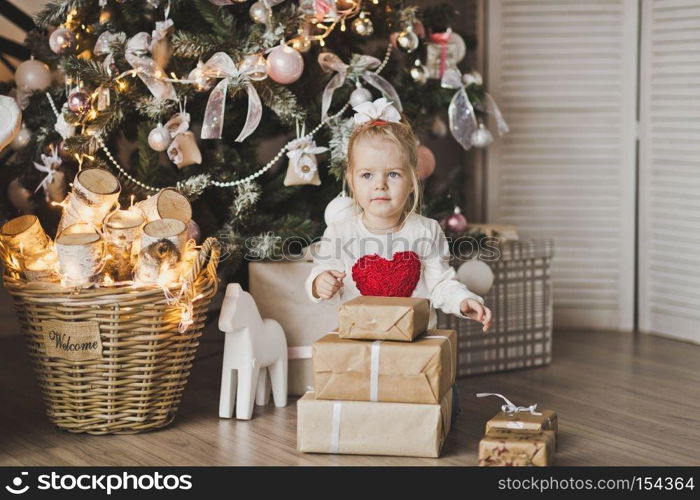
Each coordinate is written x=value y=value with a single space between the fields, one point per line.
x=285 y=64
x=455 y=223
x=426 y=162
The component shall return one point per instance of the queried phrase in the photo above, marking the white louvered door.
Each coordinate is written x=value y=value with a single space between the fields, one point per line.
x=564 y=73
x=669 y=229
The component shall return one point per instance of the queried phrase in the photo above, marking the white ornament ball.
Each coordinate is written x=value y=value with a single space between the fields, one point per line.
x=481 y=137
x=476 y=275
x=33 y=75
x=259 y=12
x=10 y=120
x=22 y=139
x=159 y=138
x=360 y=95
x=284 y=64
x=339 y=208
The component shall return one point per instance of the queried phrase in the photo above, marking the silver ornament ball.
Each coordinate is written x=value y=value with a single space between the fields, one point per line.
x=62 y=40
x=79 y=102
x=407 y=40
x=419 y=72
x=481 y=137
x=159 y=138
x=360 y=95
x=259 y=12
x=363 y=25
x=22 y=139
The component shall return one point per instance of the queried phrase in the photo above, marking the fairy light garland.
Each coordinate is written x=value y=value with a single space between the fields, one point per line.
x=221 y=184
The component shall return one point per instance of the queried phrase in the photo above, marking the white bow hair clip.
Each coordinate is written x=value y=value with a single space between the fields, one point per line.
x=380 y=111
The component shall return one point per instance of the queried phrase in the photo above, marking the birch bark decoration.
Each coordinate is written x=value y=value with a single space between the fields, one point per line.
x=95 y=191
x=79 y=257
x=161 y=250
x=166 y=204
x=22 y=237
x=42 y=266
x=121 y=229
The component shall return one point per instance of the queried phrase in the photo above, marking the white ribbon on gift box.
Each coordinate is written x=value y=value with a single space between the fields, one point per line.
x=509 y=407
x=374 y=361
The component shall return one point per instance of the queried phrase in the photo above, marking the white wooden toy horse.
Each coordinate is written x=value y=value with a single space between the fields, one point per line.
x=253 y=347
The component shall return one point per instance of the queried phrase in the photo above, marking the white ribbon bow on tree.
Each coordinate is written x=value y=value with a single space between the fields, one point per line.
x=103 y=47
x=463 y=122
x=381 y=109
x=49 y=164
x=220 y=65
x=151 y=74
x=509 y=407
x=360 y=68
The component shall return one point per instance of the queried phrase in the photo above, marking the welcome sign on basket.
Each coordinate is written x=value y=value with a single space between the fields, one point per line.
x=71 y=340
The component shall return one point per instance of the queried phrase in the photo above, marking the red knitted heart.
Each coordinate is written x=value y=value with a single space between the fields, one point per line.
x=398 y=277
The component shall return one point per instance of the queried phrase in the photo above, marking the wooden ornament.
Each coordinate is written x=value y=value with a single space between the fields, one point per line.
x=121 y=229
x=79 y=257
x=161 y=251
x=166 y=204
x=184 y=151
x=95 y=192
x=22 y=237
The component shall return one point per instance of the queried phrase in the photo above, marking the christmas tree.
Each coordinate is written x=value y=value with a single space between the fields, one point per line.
x=183 y=92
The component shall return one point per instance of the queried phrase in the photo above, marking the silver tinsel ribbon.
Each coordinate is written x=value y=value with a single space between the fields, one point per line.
x=360 y=66
x=463 y=122
x=509 y=407
x=137 y=54
x=220 y=65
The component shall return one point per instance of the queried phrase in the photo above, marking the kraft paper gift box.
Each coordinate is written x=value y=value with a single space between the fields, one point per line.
x=547 y=421
x=370 y=428
x=511 y=447
x=278 y=290
x=383 y=318
x=421 y=371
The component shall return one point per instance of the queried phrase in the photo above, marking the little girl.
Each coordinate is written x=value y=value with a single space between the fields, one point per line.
x=388 y=248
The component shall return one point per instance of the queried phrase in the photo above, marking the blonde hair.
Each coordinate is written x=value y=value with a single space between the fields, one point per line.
x=401 y=134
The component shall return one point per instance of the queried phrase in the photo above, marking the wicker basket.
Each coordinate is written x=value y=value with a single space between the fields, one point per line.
x=138 y=383
x=521 y=301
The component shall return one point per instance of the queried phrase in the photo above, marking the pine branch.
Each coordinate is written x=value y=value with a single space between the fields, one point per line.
x=195 y=45
x=89 y=70
x=282 y=101
x=55 y=13
x=220 y=20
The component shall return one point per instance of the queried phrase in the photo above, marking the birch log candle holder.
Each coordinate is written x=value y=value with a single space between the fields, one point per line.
x=42 y=267
x=166 y=204
x=122 y=231
x=79 y=258
x=95 y=192
x=22 y=237
x=162 y=245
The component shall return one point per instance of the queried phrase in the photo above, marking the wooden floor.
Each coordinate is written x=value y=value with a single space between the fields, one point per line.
x=622 y=399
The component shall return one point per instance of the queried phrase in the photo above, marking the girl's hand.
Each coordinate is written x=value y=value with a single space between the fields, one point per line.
x=327 y=284
x=476 y=311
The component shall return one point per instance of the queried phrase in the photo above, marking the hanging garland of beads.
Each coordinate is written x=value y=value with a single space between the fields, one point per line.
x=211 y=182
